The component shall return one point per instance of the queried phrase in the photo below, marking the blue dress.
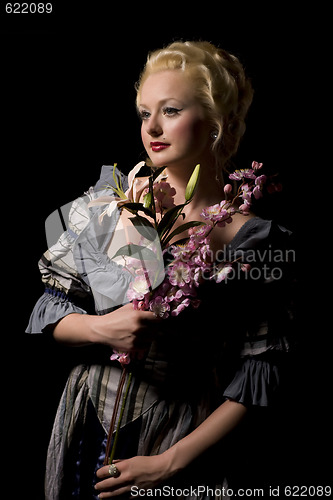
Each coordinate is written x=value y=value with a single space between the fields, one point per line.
x=231 y=347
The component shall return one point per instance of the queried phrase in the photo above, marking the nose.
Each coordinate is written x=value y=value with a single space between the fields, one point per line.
x=154 y=128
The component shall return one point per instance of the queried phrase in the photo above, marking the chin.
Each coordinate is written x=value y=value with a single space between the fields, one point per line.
x=158 y=162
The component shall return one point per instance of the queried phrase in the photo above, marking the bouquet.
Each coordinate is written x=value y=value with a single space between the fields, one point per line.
x=167 y=289
x=192 y=259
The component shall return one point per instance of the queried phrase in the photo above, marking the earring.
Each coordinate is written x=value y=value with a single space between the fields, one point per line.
x=214 y=135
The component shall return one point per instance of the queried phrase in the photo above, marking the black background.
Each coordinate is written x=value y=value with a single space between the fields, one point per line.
x=68 y=97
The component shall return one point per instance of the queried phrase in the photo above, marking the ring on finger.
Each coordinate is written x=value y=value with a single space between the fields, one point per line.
x=113 y=471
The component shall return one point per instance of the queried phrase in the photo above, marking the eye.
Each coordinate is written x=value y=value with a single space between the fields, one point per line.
x=144 y=115
x=169 y=111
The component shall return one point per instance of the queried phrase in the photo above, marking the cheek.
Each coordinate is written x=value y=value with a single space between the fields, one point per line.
x=193 y=133
x=143 y=136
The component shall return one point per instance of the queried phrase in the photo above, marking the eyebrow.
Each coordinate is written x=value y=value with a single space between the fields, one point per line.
x=162 y=101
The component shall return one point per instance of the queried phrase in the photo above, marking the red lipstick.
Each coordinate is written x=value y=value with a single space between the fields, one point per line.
x=159 y=146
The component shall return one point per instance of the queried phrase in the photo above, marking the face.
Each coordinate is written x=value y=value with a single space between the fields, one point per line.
x=174 y=129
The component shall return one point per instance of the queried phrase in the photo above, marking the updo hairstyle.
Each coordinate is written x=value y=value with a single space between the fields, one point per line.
x=221 y=87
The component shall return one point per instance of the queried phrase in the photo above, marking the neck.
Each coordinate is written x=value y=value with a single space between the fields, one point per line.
x=209 y=190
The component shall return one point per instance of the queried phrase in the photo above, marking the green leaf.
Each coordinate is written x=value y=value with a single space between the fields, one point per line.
x=144 y=227
x=137 y=251
x=192 y=183
x=169 y=219
x=136 y=207
x=183 y=227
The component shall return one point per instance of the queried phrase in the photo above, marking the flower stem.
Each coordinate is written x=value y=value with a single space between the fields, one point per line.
x=113 y=451
x=114 y=416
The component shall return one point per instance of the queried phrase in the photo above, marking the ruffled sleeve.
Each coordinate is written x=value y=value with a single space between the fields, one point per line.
x=255 y=383
x=66 y=290
x=265 y=325
x=50 y=308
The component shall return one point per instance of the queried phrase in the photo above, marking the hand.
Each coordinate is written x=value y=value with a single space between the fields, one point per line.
x=140 y=472
x=126 y=329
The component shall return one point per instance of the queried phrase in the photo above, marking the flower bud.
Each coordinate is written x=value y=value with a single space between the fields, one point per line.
x=192 y=183
x=227 y=188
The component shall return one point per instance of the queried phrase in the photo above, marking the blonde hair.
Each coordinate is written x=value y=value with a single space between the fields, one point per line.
x=221 y=86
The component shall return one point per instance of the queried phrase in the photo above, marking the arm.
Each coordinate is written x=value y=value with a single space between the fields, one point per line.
x=218 y=425
x=124 y=329
x=147 y=472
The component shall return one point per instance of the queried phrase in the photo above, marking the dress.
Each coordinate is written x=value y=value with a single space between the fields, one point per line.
x=230 y=347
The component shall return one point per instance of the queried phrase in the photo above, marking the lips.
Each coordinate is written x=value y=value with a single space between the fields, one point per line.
x=159 y=146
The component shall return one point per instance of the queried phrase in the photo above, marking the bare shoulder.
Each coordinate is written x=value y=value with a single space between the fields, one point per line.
x=222 y=236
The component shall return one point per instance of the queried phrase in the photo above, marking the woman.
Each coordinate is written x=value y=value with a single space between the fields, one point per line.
x=192 y=99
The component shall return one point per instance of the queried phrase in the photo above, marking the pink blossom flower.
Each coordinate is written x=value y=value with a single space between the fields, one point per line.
x=259 y=183
x=179 y=274
x=173 y=293
x=179 y=252
x=163 y=194
x=256 y=165
x=198 y=271
x=227 y=219
x=187 y=290
x=201 y=260
x=183 y=252
x=246 y=173
x=246 y=193
x=180 y=307
x=138 y=288
x=219 y=213
x=222 y=272
x=141 y=305
x=245 y=208
x=199 y=233
x=122 y=357
x=210 y=213
x=160 y=307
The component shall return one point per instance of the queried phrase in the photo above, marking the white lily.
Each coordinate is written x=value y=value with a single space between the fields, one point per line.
x=120 y=198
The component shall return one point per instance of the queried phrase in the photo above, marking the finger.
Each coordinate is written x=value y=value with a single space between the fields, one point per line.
x=149 y=317
x=112 y=486
x=103 y=472
x=109 y=482
x=115 y=493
